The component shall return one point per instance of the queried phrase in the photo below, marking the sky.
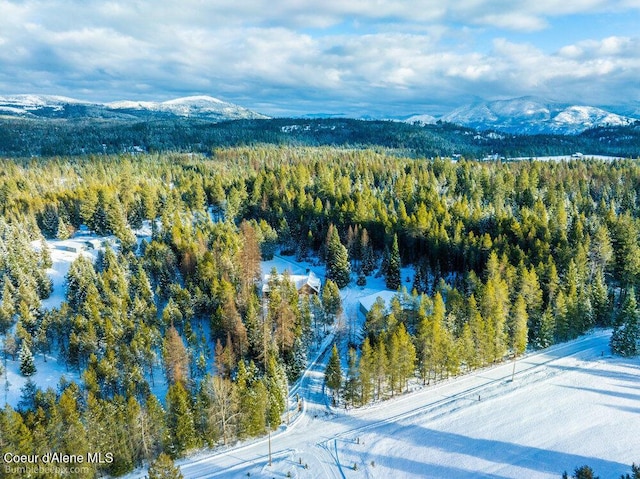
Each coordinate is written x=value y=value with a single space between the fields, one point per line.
x=377 y=58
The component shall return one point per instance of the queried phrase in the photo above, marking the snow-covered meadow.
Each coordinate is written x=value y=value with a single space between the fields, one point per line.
x=568 y=406
x=49 y=370
x=583 y=409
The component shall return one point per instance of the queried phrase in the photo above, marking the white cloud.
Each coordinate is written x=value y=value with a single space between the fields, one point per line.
x=381 y=56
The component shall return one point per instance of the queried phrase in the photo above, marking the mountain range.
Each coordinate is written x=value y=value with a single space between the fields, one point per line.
x=526 y=115
x=47 y=107
x=529 y=115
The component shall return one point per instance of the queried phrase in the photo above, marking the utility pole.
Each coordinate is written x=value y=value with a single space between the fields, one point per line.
x=269 y=445
x=287 y=402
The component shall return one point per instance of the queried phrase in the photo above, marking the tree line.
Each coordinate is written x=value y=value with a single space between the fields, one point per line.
x=21 y=137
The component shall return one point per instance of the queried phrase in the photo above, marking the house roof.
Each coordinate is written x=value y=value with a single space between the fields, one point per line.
x=299 y=280
x=385 y=294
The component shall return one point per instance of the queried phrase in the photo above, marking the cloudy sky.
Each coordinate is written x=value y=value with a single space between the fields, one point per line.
x=353 y=57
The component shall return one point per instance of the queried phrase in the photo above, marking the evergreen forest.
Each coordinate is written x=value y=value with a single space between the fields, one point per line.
x=22 y=137
x=508 y=257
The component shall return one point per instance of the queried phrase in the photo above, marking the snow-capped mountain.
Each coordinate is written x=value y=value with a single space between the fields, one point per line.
x=42 y=106
x=47 y=106
x=192 y=106
x=531 y=115
x=421 y=119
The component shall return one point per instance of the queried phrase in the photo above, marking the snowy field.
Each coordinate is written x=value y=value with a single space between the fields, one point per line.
x=48 y=369
x=584 y=409
x=568 y=406
x=566 y=158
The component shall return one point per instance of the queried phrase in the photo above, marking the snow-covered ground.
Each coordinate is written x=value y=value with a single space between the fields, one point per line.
x=574 y=410
x=579 y=156
x=568 y=406
x=63 y=253
x=49 y=371
x=48 y=375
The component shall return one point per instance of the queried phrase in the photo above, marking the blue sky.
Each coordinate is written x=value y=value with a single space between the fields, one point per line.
x=382 y=58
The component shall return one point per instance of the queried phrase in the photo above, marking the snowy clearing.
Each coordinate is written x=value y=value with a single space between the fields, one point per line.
x=50 y=370
x=568 y=406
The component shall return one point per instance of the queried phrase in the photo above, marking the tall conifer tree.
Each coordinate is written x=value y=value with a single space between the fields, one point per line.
x=338 y=267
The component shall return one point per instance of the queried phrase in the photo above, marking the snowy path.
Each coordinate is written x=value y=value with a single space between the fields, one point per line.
x=435 y=432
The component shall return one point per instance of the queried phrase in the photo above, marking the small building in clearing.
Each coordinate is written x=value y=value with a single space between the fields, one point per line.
x=366 y=303
x=305 y=284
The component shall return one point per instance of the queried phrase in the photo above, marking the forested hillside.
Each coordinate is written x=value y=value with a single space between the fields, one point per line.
x=507 y=256
x=42 y=138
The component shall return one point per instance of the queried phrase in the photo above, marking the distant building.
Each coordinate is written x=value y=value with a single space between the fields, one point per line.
x=305 y=284
x=366 y=303
x=577 y=154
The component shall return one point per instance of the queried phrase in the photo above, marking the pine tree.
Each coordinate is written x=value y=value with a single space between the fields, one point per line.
x=366 y=370
x=518 y=326
x=406 y=355
x=333 y=372
x=338 y=267
x=392 y=270
x=466 y=348
x=16 y=436
x=368 y=264
x=434 y=344
x=601 y=251
x=381 y=365
x=49 y=221
x=182 y=434
x=249 y=258
x=352 y=382
x=176 y=359
x=561 y=318
x=375 y=321
x=99 y=221
x=393 y=364
x=164 y=468
x=584 y=472
x=7 y=306
x=252 y=401
x=544 y=330
x=531 y=292
x=71 y=434
x=627 y=250
x=27 y=395
x=418 y=281
x=494 y=307
x=331 y=301
x=625 y=339
x=282 y=314
x=275 y=380
x=64 y=231
x=600 y=300
x=27 y=365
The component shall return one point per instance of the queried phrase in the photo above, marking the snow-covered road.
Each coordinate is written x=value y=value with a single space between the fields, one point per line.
x=482 y=415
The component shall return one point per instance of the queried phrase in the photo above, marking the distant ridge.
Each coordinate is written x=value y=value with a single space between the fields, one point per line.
x=525 y=115
x=532 y=115
x=59 y=107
